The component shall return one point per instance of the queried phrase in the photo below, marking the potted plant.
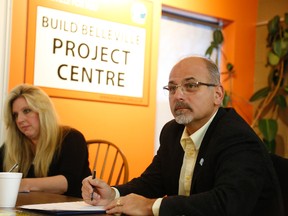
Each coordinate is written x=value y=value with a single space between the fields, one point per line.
x=271 y=99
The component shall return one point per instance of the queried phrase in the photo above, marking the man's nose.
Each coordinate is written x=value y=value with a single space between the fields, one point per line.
x=179 y=91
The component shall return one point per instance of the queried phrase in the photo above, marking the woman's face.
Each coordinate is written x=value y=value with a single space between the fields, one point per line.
x=26 y=119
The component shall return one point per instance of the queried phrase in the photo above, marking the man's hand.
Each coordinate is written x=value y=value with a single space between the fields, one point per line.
x=131 y=204
x=103 y=194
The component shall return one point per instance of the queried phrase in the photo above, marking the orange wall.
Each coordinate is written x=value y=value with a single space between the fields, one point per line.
x=239 y=44
x=132 y=127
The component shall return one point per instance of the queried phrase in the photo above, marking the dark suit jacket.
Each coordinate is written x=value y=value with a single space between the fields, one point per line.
x=236 y=176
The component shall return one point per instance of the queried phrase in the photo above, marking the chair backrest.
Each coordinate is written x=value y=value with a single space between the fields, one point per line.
x=281 y=167
x=108 y=160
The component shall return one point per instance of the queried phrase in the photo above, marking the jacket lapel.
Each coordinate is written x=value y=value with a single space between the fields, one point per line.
x=203 y=153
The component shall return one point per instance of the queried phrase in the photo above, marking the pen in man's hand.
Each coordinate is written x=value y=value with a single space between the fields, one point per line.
x=93 y=177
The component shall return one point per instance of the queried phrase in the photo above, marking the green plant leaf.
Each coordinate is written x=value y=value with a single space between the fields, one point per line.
x=229 y=66
x=273 y=24
x=268 y=128
x=273 y=59
x=281 y=101
x=261 y=93
x=286 y=34
x=209 y=51
x=284 y=46
x=277 y=47
x=286 y=88
x=280 y=47
x=284 y=43
x=218 y=36
x=214 y=44
x=226 y=100
x=286 y=18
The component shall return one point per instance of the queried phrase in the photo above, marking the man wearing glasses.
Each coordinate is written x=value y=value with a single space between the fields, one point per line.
x=210 y=162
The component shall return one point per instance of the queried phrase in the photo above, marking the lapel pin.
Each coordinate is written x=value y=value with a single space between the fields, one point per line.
x=201 y=161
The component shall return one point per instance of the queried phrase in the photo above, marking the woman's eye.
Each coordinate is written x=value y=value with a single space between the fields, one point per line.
x=25 y=111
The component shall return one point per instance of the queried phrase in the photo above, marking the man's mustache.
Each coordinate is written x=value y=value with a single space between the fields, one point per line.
x=181 y=105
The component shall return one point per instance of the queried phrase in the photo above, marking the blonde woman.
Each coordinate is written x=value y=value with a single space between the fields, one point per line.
x=52 y=158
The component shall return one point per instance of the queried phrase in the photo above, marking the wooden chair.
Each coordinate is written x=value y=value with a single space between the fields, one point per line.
x=108 y=160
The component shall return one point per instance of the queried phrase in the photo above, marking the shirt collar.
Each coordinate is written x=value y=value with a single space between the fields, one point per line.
x=197 y=136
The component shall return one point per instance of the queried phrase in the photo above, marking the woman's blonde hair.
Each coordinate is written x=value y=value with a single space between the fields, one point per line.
x=18 y=148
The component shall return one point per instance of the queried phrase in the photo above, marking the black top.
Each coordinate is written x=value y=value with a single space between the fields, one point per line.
x=233 y=174
x=72 y=162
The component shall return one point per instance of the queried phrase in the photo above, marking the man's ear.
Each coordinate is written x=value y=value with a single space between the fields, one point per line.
x=219 y=95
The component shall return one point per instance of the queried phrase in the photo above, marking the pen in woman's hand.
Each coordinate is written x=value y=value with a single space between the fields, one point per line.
x=13 y=167
x=93 y=177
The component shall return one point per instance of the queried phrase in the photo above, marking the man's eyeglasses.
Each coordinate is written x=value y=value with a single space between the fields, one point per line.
x=186 y=87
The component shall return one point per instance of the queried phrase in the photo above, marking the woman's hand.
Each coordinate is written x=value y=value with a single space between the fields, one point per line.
x=52 y=184
x=24 y=186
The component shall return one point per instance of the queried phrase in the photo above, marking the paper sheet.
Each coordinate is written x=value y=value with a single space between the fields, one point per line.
x=78 y=206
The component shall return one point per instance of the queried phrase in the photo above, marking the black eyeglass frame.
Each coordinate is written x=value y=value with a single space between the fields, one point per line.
x=194 y=84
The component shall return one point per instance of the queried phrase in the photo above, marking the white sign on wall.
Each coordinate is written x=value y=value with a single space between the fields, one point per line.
x=82 y=53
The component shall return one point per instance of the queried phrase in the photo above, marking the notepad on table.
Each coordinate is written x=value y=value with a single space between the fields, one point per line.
x=78 y=207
